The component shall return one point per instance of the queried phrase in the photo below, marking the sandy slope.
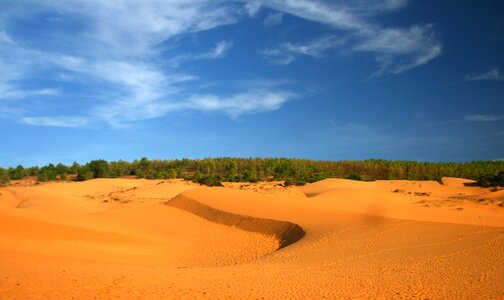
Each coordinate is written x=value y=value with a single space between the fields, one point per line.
x=139 y=239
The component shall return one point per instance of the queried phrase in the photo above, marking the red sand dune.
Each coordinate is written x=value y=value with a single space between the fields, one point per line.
x=139 y=239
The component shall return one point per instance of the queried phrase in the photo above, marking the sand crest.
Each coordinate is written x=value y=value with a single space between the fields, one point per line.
x=285 y=232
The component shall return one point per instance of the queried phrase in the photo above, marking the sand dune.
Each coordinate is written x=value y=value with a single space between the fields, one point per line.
x=116 y=238
x=450 y=202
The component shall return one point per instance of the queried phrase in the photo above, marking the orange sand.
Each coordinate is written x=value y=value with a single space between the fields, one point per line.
x=126 y=239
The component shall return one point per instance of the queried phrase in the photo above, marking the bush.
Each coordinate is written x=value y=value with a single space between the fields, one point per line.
x=151 y=174
x=42 y=177
x=139 y=173
x=4 y=176
x=353 y=176
x=18 y=173
x=210 y=180
x=88 y=175
x=85 y=173
x=47 y=175
x=492 y=180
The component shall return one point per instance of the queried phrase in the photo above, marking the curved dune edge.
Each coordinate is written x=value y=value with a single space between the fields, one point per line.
x=285 y=232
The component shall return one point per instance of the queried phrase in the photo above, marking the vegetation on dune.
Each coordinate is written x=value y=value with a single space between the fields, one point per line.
x=4 y=176
x=213 y=171
x=492 y=180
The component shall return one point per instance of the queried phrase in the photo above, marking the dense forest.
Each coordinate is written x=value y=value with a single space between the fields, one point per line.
x=213 y=171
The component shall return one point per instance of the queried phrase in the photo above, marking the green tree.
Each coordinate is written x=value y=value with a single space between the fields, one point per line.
x=74 y=169
x=33 y=171
x=85 y=173
x=46 y=175
x=61 y=169
x=142 y=168
x=99 y=168
x=18 y=173
x=119 y=168
x=4 y=176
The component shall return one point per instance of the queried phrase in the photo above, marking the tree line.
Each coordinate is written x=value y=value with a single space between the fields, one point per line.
x=213 y=171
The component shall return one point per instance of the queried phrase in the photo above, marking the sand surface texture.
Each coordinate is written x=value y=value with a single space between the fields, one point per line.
x=333 y=239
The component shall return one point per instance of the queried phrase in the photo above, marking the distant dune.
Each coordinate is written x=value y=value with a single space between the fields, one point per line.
x=155 y=239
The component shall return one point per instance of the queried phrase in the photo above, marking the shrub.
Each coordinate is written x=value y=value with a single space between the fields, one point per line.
x=47 y=175
x=18 y=173
x=88 y=175
x=42 y=177
x=151 y=174
x=210 y=180
x=85 y=173
x=4 y=176
x=492 y=180
x=139 y=173
x=353 y=176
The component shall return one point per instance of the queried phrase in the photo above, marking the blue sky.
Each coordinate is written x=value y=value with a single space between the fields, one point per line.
x=392 y=79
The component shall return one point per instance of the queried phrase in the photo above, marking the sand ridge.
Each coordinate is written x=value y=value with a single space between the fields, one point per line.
x=116 y=238
x=285 y=232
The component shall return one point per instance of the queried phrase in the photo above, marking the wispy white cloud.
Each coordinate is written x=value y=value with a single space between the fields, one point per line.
x=16 y=64
x=349 y=127
x=254 y=98
x=218 y=51
x=69 y=122
x=139 y=26
x=11 y=92
x=315 y=48
x=5 y=38
x=399 y=50
x=278 y=56
x=121 y=54
x=493 y=74
x=241 y=103
x=396 y=50
x=363 y=6
x=273 y=19
x=391 y=4
x=288 y=52
x=252 y=7
x=337 y=16
x=483 y=118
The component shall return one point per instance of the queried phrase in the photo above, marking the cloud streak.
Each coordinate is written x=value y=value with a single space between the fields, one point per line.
x=484 y=118
x=395 y=50
x=218 y=51
x=252 y=7
x=241 y=103
x=68 y=122
x=288 y=52
x=493 y=75
x=273 y=19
